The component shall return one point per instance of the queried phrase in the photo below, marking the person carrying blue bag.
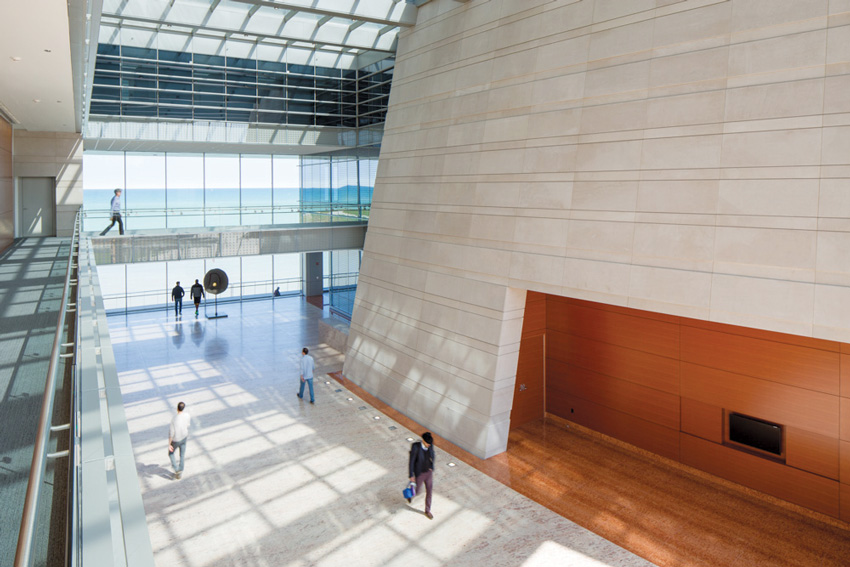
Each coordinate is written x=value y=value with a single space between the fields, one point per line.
x=421 y=470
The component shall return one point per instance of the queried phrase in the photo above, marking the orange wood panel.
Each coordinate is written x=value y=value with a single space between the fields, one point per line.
x=811 y=452
x=630 y=331
x=845 y=419
x=702 y=420
x=529 y=386
x=786 y=405
x=646 y=435
x=534 y=319
x=845 y=503
x=806 y=489
x=787 y=364
x=646 y=403
x=845 y=375
x=635 y=366
x=844 y=465
x=773 y=336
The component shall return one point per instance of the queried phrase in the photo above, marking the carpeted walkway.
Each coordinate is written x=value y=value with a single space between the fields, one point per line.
x=32 y=277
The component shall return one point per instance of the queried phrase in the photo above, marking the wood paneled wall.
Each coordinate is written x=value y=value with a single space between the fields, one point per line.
x=529 y=403
x=665 y=384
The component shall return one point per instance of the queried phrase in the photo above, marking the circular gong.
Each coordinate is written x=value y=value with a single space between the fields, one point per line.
x=215 y=281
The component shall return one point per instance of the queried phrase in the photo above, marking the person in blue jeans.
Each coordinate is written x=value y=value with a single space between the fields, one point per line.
x=115 y=208
x=178 y=433
x=307 y=366
x=177 y=295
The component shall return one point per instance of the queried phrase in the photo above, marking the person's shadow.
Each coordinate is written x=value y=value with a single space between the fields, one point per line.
x=177 y=338
x=149 y=471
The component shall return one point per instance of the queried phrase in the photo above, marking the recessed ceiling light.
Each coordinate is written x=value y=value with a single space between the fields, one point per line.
x=15 y=59
x=36 y=100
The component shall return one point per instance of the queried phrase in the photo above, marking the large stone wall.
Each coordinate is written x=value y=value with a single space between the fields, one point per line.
x=7 y=187
x=685 y=157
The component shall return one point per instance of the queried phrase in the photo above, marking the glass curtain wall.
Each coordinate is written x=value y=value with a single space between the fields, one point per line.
x=144 y=82
x=337 y=189
x=169 y=190
x=342 y=268
x=147 y=286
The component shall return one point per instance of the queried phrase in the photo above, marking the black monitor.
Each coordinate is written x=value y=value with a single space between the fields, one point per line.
x=755 y=433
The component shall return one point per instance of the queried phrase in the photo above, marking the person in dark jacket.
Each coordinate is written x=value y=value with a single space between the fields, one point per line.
x=177 y=295
x=197 y=292
x=421 y=468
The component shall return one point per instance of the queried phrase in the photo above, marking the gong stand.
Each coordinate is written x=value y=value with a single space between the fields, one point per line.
x=215 y=282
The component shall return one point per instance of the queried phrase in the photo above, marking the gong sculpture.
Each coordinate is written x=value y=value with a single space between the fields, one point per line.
x=215 y=282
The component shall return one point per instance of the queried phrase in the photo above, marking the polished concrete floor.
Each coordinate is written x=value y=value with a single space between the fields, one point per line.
x=273 y=480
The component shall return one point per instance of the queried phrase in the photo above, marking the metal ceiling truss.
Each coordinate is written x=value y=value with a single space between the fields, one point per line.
x=149 y=24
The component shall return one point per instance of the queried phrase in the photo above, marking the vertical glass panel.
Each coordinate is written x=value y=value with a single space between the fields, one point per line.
x=287 y=273
x=345 y=269
x=344 y=192
x=286 y=183
x=112 y=278
x=315 y=189
x=368 y=172
x=231 y=267
x=256 y=174
x=145 y=196
x=104 y=172
x=222 y=190
x=257 y=277
x=185 y=194
x=147 y=286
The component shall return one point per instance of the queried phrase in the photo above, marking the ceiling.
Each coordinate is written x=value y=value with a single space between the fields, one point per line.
x=47 y=47
x=36 y=90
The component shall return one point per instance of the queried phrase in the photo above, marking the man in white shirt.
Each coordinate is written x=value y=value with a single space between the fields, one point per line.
x=307 y=366
x=178 y=432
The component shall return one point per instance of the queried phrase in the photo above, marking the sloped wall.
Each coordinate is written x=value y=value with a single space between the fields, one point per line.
x=681 y=157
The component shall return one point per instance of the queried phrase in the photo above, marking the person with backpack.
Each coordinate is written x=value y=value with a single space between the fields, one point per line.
x=197 y=292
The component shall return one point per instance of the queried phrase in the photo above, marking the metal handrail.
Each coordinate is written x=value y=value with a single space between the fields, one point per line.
x=26 y=535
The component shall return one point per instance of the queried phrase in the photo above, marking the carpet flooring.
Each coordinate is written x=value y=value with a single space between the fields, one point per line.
x=32 y=278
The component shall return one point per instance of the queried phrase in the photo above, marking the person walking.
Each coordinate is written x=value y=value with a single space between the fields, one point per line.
x=177 y=295
x=178 y=433
x=197 y=292
x=115 y=205
x=421 y=468
x=307 y=366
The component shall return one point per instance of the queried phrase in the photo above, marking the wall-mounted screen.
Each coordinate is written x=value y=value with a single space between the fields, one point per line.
x=755 y=433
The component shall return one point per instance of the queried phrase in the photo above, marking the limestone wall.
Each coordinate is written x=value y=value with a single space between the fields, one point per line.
x=59 y=155
x=685 y=157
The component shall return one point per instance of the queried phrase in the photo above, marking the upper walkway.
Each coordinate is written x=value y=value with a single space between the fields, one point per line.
x=32 y=278
x=161 y=245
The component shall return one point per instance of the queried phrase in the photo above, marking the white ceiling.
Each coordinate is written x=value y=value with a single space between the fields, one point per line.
x=37 y=32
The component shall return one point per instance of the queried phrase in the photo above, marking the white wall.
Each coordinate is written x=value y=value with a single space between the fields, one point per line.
x=686 y=157
x=58 y=155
